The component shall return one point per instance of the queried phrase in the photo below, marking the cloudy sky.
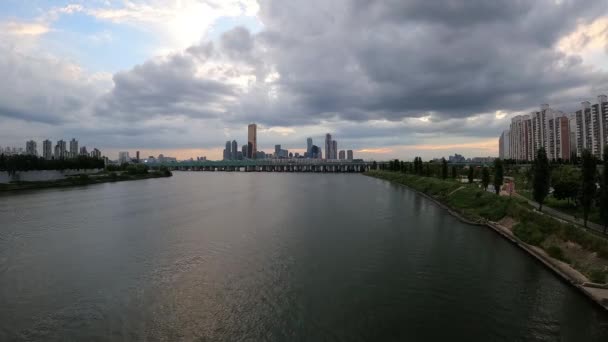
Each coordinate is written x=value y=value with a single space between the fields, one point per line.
x=393 y=78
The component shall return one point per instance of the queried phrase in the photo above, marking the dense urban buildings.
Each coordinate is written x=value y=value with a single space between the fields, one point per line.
x=231 y=151
x=73 y=148
x=30 y=148
x=546 y=128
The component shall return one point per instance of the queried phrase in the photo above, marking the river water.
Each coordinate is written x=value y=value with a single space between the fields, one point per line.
x=269 y=256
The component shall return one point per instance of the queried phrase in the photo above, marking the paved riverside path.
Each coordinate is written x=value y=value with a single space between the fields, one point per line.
x=566 y=217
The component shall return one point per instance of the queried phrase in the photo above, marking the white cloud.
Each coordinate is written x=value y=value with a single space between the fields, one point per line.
x=25 y=28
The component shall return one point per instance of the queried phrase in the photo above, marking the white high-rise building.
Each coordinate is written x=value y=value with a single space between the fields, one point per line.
x=592 y=126
x=123 y=157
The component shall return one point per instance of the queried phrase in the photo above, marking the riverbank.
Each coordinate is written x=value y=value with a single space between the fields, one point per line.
x=83 y=179
x=575 y=255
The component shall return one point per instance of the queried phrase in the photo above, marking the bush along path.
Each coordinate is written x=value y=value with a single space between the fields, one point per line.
x=578 y=256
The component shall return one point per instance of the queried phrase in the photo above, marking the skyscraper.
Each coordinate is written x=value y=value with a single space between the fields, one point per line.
x=30 y=148
x=136 y=155
x=334 y=149
x=252 y=141
x=349 y=155
x=244 y=151
x=228 y=151
x=328 y=146
x=73 y=148
x=234 y=150
x=47 y=149
x=308 y=147
x=342 y=155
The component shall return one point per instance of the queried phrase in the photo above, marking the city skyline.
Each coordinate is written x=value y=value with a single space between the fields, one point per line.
x=148 y=76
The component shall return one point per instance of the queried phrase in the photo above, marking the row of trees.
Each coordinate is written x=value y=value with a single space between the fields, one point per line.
x=572 y=185
x=16 y=163
x=441 y=170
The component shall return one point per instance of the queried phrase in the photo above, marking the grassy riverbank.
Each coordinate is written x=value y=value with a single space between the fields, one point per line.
x=102 y=177
x=583 y=251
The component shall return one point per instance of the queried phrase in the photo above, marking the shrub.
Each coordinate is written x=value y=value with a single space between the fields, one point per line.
x=557 y=253
x=529 y=233
x=597 y=276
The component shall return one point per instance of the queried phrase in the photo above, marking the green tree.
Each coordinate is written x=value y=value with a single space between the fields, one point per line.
x=604 y=190
x=485 y=178
x=566 y=181
x=588 y=188
x=454 y=173
x=471 y=174
x=444 y=168
x=541 y=180
x=498 y=175
x=374 y=165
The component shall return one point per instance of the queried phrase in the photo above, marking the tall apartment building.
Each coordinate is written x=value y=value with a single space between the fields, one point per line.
x=96 y=153
x=228 y=151
x=504 y=147
x=520 y=139
x=30 y=148
x=342 y=155
x=60 y=150
x=592 y=126
x=84 y=152
x=349 y=155
x=47 y=149
x=73 y=148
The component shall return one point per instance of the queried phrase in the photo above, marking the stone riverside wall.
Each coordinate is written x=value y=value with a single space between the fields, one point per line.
x=44 y=175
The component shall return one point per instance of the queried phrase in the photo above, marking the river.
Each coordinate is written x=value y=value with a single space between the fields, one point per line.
x=269 y=256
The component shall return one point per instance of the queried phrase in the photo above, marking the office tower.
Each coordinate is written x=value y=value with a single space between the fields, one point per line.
x=503 y=145
x=228 y=151
x=277 y=151
x=244 y=151
x=328 y=146
x=308 y=147
x=73 y=148
x=314 y=152
x=137 y=156
x=252 y=141
x=234 y=150
x=334 y=149
x=342 y=155
x=30 y=148
x=84 y=152
x=123 y=157
x=96 y=153
x=239 y=155
x=47 y=149
x=60 y=150
x=349 y=155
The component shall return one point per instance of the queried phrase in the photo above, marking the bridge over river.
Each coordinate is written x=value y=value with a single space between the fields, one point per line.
x=269 y=165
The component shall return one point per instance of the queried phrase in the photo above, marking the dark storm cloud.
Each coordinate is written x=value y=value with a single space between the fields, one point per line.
x=403 y=58
x=167 y=87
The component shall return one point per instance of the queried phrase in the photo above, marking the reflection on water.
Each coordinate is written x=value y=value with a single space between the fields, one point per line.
x=248 y=256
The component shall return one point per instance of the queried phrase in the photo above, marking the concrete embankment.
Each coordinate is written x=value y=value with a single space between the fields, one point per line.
x=598 y=293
